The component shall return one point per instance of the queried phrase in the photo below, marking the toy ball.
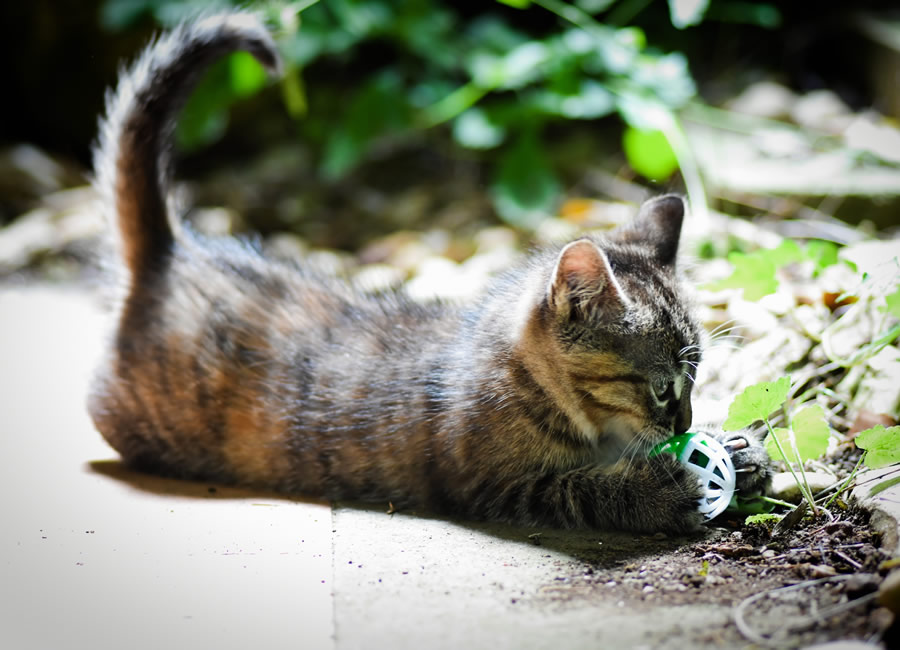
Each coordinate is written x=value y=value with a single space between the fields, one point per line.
x=707 y=458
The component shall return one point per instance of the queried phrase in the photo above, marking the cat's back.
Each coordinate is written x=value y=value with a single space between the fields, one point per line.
x=235 y=354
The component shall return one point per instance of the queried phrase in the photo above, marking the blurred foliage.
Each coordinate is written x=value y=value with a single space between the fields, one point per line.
x=497 y=79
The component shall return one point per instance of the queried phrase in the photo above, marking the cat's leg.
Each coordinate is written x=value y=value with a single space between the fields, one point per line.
x=644 y=495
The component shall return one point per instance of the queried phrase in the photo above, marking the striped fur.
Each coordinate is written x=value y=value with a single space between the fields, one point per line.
x=535 y=404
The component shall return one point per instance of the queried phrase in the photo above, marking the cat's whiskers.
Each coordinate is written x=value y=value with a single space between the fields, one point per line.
x=724 y=328
x=689 y=348
x=727 y=337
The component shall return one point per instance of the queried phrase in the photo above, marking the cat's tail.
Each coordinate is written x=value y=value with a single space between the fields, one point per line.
x=131 y=161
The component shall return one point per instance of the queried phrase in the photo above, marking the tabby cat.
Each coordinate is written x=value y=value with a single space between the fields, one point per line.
x=536 y=404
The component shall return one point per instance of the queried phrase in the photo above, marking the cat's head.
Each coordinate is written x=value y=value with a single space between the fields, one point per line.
x=616 y=336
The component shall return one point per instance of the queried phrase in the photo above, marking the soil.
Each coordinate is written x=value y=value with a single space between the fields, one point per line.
x=811 y=584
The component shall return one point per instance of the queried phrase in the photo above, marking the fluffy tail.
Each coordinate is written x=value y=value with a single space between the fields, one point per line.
x=131 y=162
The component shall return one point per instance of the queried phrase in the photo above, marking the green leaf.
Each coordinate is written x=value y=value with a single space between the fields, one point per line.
x=755 y=272
x=377 y=109
x=593 y=6
x=822 y=254
x=204 y=118
x=892 y=301
x=643 y=113
x=882 y=445
x=785 y=253
x=752 y=273
x=884 y=485
x=513 y=69
x=784 y=437
x=293 y=92
x=517 y=4
x=750 y=13
x=116 y=15
x=247 y=75
x=525 y=188
x=685 y=13
x=649 y=153
x=589 y=100
x=764 y=518
x=475 y=130
x=756 y=402
x=811 y=432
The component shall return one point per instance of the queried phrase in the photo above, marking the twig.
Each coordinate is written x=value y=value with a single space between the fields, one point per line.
x=879 y=478
x=756 y=637
x=846 y=558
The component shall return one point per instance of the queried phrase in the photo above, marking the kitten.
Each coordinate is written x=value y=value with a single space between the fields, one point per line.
x=537 y=404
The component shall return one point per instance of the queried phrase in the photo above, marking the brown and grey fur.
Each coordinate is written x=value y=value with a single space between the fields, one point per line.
x=536 y=404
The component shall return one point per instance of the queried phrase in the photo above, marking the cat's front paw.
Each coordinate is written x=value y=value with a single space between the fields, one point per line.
x=676 y=496
x=751 y=461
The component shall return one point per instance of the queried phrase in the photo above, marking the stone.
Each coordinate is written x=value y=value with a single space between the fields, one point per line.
x=784 y=486
x=889 y=592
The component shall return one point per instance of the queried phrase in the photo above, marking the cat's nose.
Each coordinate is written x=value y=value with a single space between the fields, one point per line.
x=682 y=419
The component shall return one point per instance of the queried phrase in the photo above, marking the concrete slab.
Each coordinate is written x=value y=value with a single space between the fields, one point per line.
x=93 y=556
x=411 y=582
x=879 y=490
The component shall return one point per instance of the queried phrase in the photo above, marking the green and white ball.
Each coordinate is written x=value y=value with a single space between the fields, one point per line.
x=707 y=458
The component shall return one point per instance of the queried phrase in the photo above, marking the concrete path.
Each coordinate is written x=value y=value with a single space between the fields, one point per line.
x=90 y=560
x=94 y=556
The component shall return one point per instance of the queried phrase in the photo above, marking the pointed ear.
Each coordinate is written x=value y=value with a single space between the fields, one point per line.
x=658 y=227
x=583 y=285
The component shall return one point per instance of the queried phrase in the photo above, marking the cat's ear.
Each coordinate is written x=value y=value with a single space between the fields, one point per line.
x=583 y=284
x=658 y=227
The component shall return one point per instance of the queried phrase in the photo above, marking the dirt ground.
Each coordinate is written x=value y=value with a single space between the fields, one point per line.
x=809 y=585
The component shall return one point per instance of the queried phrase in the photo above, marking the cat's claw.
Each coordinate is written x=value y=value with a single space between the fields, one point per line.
x=735 y=444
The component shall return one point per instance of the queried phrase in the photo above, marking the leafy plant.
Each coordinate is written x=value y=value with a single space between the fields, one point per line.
x=808 y=436
x=756 y=272
x=882 y=446
x=497 y=85
x=763 y=518
x=806 y=439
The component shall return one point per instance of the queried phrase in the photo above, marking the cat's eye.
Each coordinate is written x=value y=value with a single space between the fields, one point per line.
x=662 y=389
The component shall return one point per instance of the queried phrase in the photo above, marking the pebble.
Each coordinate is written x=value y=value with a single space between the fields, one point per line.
x=784 y=486
x=378 y=277
x=889 y=592
x=816 y=571
x=822 y=110
x=286 y=246
x=764 y=99
x=217 y=222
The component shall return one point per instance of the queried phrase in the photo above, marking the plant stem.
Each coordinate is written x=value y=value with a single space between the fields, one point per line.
x=808 y=492
x=690 y=171
x=778 y=502
x=450 y=106
x=846 y=483
x=305 y=5
x=571 y=13
x=804 y=486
